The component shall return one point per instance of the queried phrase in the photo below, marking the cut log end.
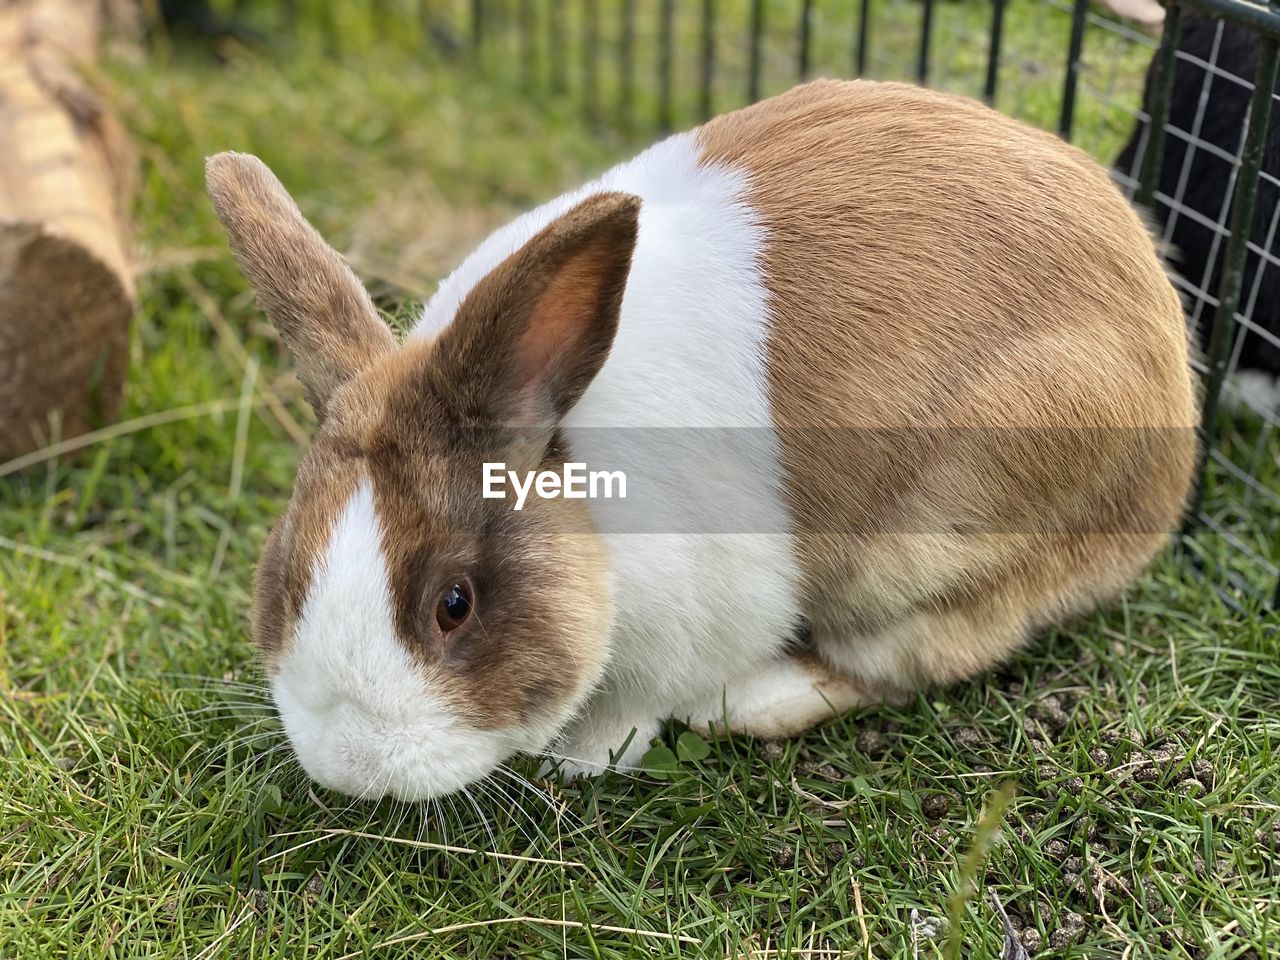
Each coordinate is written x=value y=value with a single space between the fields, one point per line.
x=66 y=277
x=64 y=319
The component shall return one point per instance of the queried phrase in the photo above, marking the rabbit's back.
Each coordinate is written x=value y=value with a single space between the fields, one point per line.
x=929 y=245
x=978 y=366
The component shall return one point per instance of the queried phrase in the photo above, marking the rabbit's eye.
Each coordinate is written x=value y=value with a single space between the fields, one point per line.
x=453 y=609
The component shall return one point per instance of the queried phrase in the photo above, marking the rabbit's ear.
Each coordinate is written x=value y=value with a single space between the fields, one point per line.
x=530 y=337
x=322 y=311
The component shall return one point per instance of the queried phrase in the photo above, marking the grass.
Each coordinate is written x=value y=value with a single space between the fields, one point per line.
x=148 y=807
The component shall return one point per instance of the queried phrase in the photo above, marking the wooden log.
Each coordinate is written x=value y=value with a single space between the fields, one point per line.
x=66 y=278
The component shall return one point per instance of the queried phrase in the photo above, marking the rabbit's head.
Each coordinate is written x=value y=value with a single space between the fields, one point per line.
x=416 y=633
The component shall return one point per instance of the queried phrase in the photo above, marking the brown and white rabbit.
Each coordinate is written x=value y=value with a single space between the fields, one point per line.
x=961 y=368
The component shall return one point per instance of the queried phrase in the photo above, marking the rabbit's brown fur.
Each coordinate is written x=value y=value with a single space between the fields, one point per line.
x=1027 y=303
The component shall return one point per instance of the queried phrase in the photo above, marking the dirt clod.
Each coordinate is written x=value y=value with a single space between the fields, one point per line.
x=1071 y=930
x=771 y=751
x=810 y=766
x=936 y=806
x=1163 y=755
x=1145 y=773
x=871 y=742
x=1051 y=713
x=968 y=737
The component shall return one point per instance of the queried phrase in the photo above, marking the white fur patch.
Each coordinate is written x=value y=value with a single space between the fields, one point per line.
x=359 y=712
x=780 y=699
x=693 y=608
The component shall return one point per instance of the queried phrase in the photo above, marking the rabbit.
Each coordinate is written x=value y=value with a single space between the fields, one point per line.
x=903 y=380
x=1215 y=107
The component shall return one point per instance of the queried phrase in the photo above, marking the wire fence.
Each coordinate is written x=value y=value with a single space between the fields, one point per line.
x=1209 y=168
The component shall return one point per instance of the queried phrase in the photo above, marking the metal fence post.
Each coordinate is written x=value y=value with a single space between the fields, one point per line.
x=477 y=27
x=666 y=17
x=590 y=48
x=753 y=68
x=926 y=37
x=708 y=64
x=806 y=30
x=993 y=51
x=1158 y=109
x=528 y=44
x=626 y=64
x=863 y=35
x=1067 y=117
x=555 y=50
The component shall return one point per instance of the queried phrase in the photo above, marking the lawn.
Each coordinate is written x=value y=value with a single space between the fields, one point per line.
x=1115 y=787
